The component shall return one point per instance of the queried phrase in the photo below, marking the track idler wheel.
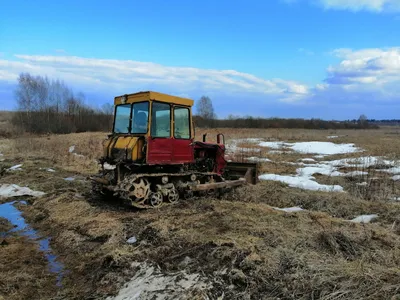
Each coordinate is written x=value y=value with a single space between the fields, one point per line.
x=156 y=199
x=173 y=196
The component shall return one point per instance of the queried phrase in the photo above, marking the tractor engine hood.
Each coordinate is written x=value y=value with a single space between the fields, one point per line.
x=124 y=148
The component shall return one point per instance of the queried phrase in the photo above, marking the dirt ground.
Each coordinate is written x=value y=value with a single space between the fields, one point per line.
x=240 y=246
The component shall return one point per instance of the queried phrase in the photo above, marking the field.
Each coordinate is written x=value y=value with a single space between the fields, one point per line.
x=322 y=223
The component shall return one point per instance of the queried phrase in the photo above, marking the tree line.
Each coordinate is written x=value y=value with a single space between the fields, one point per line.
x=206 y=117
x=50 y=106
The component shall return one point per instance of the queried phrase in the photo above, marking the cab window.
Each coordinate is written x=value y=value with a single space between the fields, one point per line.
x=122 y=118
x=161 y=120
x=140 y=118
x=181 y=123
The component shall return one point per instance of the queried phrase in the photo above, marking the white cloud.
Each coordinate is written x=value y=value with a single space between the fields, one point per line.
x=367 y=66
x=357 y=5
x=133 y=75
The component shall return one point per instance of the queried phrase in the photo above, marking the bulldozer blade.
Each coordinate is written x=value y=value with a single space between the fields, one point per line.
x=238 y=170
x=218 y=185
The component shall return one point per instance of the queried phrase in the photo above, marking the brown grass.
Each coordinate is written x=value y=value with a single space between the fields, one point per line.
x=23 y=270
x=247 y=249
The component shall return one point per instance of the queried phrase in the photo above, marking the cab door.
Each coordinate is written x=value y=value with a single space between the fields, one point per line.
x=160 y=141
x=182 y=148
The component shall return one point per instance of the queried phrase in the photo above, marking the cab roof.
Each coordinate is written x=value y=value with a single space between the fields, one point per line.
x=153 y=96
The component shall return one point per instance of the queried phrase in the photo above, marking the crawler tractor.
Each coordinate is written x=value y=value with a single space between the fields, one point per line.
x=151 y=157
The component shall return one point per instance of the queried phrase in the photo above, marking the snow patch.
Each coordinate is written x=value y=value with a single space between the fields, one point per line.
x=277 y=152
x=15 y=168
x=364 y=161
x=150 y=283
x=362 y=183
x=50 y=170
x=289 y=209
x=302 y=182
x=72 y=151
x=364 y=218
x=69 y=179
x=131 y=240
x=321 y=148
x=107 y=166
x=13 y=190
x=259 y=159
x=332 y=136
x=232 y=145
x=308 y=159
x=396 y=177
x=394 y=170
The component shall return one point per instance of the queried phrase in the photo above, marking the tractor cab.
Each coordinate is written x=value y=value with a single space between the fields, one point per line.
x=151 y=128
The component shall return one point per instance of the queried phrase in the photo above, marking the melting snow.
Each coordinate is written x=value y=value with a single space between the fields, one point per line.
x=13 y=190
x=302 y=182
x=364 y=218
x=332 y=136
x=394 y=170
x=362 y=183
x=308 y=159
x=396 y=177
x=232 y=146
x=326 y=148
x=107 y=166
x=395 y=199
x=318 y=169
x=72 y=149
x=69 y=179
x=289 y=209
x=50 y=170
x=15 y=168
x=131 y=240
x=150 y=283
x=260 y=159
x=364 y=161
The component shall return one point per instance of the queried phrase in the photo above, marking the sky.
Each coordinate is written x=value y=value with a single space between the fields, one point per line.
x=329 y=59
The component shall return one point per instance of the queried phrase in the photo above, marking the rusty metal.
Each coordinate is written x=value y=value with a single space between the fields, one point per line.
x=100 y=180
x=237 y=170
x=217 y=185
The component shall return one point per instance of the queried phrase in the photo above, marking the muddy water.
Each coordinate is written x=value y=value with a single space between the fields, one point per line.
x=10 y=212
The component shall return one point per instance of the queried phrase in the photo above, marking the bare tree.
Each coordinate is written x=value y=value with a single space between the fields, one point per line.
x=205 y=108
x=107 y=109
x=51 y=106
x=363 y=121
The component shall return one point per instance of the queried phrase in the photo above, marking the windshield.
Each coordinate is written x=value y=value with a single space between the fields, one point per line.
x=122 y=116
x=139 y=120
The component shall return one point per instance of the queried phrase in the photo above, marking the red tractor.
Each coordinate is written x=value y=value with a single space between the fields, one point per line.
x=151 y=157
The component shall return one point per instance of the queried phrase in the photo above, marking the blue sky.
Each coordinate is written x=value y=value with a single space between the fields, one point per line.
x=331 y=59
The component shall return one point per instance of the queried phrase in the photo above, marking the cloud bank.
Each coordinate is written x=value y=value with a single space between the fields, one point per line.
x=121 y=75
x=367 y=78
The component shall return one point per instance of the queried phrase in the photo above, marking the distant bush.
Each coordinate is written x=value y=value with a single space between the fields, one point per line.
x=48 y=106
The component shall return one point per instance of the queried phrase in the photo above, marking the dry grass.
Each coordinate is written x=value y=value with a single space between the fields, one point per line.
x=247 y=249
x=23 y=270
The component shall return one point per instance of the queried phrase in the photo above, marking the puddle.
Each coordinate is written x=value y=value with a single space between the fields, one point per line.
x=11 y=213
